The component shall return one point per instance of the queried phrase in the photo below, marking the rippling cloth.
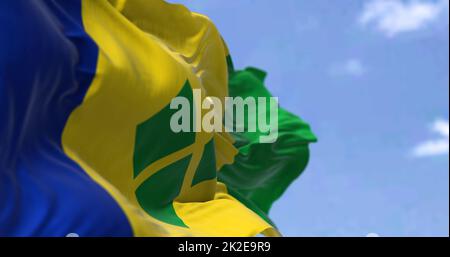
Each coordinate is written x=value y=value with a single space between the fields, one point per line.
x=85 y=142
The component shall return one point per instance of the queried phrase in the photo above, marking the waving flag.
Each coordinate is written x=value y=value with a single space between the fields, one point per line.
x=85 y=140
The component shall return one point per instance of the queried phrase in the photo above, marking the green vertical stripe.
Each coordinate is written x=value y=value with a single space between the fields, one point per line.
x=262 y=172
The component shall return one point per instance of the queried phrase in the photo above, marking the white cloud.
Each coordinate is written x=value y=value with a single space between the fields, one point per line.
x=393 y=17
x=351 y=67
x=439 y=146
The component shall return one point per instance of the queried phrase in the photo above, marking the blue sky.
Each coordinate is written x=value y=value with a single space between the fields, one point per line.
x=371 y=77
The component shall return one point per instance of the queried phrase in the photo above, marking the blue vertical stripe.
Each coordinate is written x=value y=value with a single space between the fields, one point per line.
x=47 y=63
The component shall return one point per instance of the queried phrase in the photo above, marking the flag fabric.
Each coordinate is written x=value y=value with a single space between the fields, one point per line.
x=85 y=139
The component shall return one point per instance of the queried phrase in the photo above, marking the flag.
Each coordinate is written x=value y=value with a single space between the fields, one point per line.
x=86 y=146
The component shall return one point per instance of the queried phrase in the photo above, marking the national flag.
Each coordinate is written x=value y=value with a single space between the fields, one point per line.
x=85 y=142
